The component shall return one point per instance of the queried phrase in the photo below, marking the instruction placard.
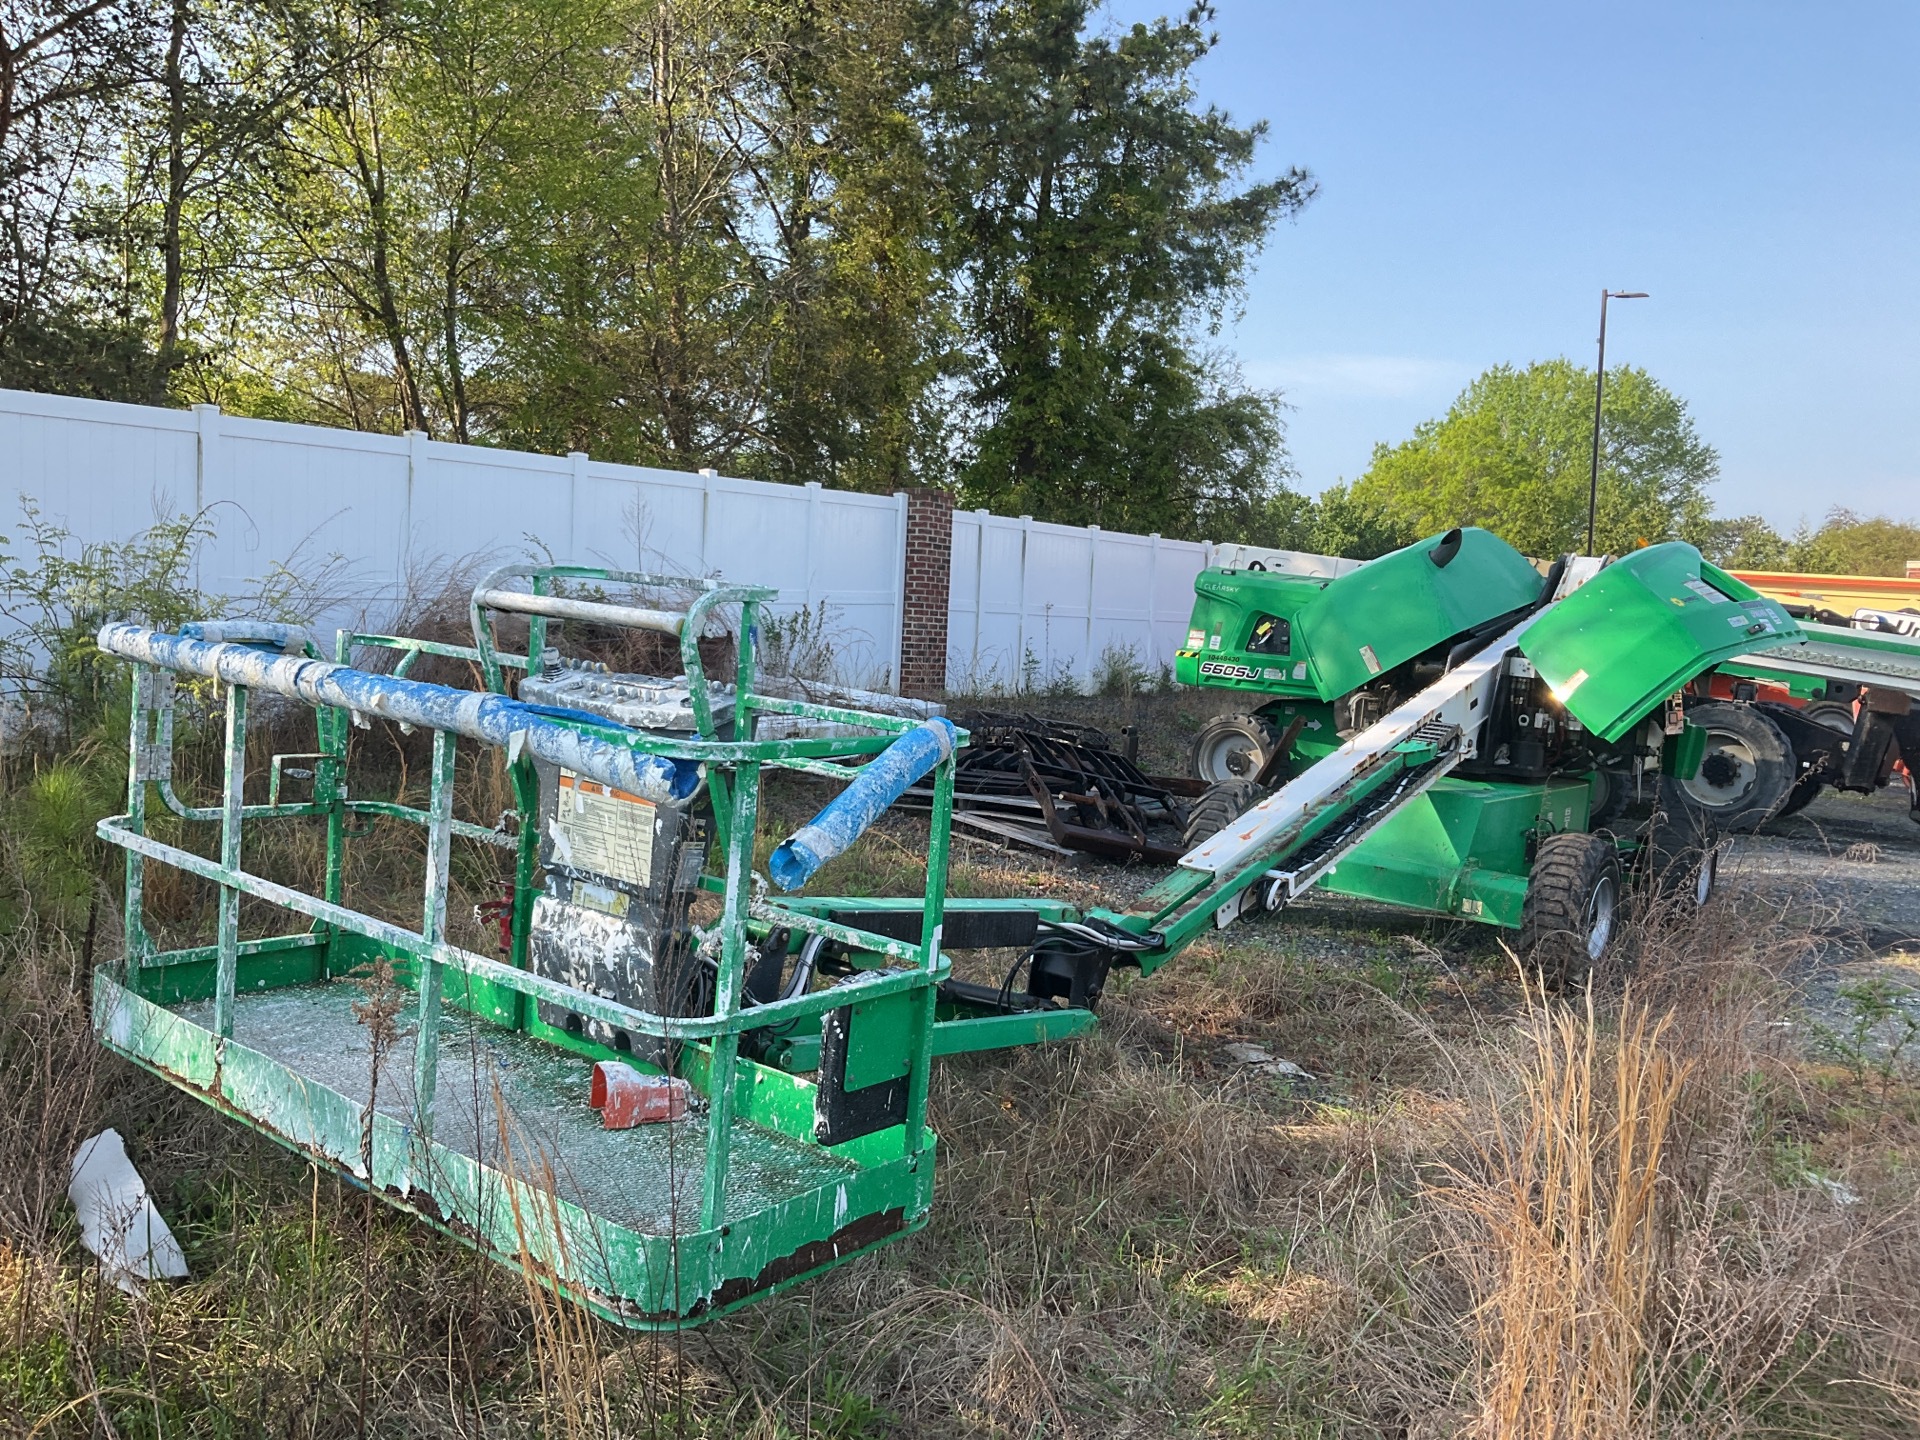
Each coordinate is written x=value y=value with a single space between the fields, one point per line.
x=603 y=831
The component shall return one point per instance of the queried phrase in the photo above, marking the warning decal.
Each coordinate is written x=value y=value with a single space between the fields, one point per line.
x=603 y=831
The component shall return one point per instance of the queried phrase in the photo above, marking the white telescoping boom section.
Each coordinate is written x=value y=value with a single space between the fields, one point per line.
x=1854 y=657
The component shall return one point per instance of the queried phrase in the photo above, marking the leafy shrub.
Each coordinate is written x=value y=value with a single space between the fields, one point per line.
x=1118 y=671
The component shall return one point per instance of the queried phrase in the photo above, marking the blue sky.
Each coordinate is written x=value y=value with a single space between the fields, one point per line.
x=1487 y=168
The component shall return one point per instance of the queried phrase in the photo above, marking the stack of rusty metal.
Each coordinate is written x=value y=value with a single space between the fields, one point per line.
x=1062 y=788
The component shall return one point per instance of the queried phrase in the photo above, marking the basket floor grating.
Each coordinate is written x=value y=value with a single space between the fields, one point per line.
x=496 y=1083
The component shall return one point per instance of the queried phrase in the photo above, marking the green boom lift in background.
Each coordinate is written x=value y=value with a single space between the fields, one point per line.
x=1446 y=724
x=1833 y=708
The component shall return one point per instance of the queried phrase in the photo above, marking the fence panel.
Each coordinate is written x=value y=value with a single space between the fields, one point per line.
x=1033 y=605
x=101 y=474
x=298 y=496
x=383 y=515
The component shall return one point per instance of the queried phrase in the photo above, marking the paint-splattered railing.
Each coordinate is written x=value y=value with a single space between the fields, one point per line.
x=664 y=769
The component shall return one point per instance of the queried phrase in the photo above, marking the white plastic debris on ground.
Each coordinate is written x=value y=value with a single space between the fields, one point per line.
x=117 y=1219
x=1266 y=1062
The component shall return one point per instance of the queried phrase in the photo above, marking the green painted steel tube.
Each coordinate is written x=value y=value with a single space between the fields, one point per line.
x=433 y=927
x=871 y=985
x=267 y=945
x=412 y=646
x=847 y=935
x=141 y=736
x=560 y=607
x=726 y=1000
x=1005 y=1032
x=933 y=921
x=394 y=810
x=229 y=955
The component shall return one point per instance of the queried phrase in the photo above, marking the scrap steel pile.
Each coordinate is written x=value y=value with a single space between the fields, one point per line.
x=1062 y=787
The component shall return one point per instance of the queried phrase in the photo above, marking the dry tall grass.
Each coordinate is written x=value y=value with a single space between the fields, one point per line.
x=1568 y=1190
x=1488 y=1214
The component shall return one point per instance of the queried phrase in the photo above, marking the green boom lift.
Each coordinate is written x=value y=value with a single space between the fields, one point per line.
x=1445 y=724
x=1833 y=708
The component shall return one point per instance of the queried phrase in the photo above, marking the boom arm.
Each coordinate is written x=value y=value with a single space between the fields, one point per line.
x=1297 y=834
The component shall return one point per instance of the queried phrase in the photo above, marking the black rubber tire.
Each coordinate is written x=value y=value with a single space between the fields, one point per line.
x=1804 y=792
x=1835 y=716
x=1233 y=747
x=1747 y=773
x=1571 y=919
x=1223 y=803
x=1680 y=858
x=1612 y=792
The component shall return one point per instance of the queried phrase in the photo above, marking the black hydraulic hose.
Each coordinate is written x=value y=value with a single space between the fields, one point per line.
x=1469 y=643
x=1552 y=583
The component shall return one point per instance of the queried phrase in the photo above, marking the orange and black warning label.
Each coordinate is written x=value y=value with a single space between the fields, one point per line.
x=603 y=831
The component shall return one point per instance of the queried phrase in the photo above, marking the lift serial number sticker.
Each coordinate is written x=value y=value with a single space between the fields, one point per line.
x=603 y=831
x=1229 y=670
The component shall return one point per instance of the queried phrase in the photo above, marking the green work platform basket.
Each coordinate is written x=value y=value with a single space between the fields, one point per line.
x=439 y=1078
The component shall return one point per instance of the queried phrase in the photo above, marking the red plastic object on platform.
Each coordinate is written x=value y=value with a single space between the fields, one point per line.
x=626 y=1097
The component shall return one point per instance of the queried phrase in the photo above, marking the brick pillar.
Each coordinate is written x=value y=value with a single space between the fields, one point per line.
x=923 y=628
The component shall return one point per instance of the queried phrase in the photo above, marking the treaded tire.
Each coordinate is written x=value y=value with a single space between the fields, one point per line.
x=1571 y=919
x=1232 y=747
x=1612 y=792
x=1748 y=772
x=1221 y=805
x=1807 y=788
x=1805 y=791
x=1834 y=714
x=1681 y=854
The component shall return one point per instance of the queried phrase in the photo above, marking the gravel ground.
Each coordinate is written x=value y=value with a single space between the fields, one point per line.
x=1857 y=856
x=1850 y=864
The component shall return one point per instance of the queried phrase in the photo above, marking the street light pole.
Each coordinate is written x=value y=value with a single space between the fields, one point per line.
x=1599 y=394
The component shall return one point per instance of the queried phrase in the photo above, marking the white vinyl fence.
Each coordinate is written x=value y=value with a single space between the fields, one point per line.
x=387 y=517
x=1035 y=605
x=389 y=510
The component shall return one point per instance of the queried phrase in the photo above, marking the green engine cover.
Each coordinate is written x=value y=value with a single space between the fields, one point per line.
x=1642 y=628
x=1321 y=639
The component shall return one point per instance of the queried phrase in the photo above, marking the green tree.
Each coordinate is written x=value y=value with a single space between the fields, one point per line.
x=404 y=211
x=1743 y=542
x=220 y=79
x=767 y=299
x=1341 y=523
x=1513 y=454
x=1852 y=544
x=866 y=330
x=868 y=242
x=1099 y=222
x=67 y=320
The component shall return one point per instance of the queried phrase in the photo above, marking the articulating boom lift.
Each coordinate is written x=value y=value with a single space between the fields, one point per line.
x=638 y=930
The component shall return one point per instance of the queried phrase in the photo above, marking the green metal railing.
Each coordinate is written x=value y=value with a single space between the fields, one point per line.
x=734 y=768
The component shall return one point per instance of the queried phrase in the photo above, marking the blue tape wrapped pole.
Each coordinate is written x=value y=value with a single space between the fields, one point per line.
x=883 y=780
x=477 y=714
x=287 y=639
